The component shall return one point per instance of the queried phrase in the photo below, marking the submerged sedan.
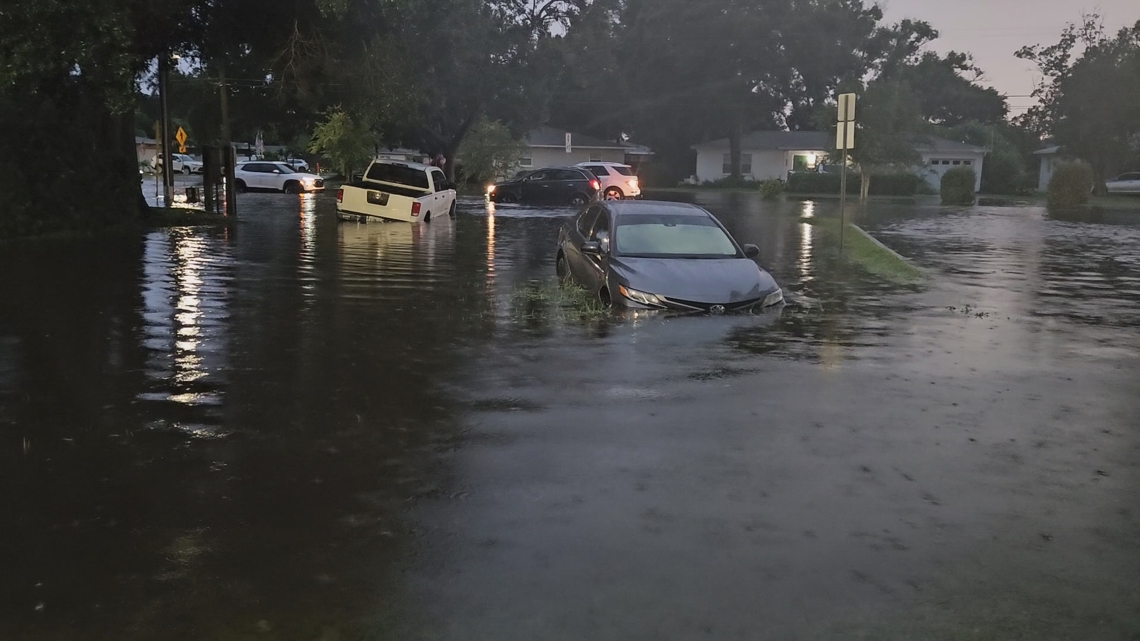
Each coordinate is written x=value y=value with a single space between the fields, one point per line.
x=662 y=255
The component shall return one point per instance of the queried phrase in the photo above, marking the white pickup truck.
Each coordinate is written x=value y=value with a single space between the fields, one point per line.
x=392 y=190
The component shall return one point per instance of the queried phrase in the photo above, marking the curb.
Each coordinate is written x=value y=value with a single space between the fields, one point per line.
x=894 y=253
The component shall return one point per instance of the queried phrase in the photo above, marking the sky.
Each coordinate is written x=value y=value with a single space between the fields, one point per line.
x=993 y=29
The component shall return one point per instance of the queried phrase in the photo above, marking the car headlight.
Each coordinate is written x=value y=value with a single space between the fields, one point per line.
x=490 y=189
x=773 y=298
x=640 y=297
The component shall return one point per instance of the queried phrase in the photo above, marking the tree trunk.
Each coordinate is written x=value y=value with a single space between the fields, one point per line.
x=864 y=185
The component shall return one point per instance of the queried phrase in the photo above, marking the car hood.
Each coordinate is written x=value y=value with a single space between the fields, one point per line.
x=698 y=280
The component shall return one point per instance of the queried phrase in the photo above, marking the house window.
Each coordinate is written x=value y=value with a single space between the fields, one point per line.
x=967 y=162
x=745 y=164
x=957 y=162
x=945 y=162
x=526 y=160
x=934 y=162
x=595 y=156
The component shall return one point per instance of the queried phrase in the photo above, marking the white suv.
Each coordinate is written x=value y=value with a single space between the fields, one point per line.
x=278 y=176
x=180 y=162
x=618 y=180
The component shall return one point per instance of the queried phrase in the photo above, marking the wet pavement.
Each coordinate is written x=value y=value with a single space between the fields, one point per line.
x=299 y=429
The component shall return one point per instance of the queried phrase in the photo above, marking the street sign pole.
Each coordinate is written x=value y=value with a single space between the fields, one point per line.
x=844 y=141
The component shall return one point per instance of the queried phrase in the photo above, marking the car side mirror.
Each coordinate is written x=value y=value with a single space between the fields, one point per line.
x=751 y=251
x=592 y=247
x=276 y=171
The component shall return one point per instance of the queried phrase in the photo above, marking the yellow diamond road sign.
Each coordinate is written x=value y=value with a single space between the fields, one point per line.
x=181 y=138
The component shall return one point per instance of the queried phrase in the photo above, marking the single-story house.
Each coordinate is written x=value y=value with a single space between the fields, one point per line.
x=1049 y=156
x=772 y=155
x=547 y=146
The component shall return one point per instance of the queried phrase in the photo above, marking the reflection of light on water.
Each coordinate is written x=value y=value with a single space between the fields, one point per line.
x=804 y=261
x=809 y=209
x=308 y=231
x=490 y=242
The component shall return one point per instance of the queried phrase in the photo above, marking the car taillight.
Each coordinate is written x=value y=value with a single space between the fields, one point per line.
x=340 y=195
x=415 y=209
x=595 y=185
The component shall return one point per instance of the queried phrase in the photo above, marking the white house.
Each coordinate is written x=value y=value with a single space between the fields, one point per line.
x=548 y=146
x=764 y=155
x=146 y=149
x=1049 y=157
x=772 y=155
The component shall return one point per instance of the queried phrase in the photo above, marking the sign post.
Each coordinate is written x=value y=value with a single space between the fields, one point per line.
x=569 y=147
x=181 y=138
x=844 y=141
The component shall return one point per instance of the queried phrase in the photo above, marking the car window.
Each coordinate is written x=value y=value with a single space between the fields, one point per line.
x=398 y=175
x=598 y=170
x=623 y=170
x=602 y=224
x=538 y=175
x=672 y=235
x=587 y=219
x=439 y=180
x=282 y=167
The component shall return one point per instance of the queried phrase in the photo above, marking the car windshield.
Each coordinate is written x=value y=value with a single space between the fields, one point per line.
x=285 y=169
x=398 y=175
x=672 y=235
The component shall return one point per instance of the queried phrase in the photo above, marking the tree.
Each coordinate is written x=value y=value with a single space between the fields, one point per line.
x=1092 y=122
x=889 y=124
x=489 y=151
x=343 y=140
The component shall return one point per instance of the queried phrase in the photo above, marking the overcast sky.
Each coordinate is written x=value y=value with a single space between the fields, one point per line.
x=993 y=29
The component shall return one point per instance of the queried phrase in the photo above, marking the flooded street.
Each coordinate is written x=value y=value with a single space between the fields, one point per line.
x=299 y=429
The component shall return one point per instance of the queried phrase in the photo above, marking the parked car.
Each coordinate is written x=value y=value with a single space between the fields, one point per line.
x=663 y=256
x=298 y=164
x=276 y=176
x=1124 y=184
x=391 y=190
x=549 y=186
x=618 y=180
x=180 y=162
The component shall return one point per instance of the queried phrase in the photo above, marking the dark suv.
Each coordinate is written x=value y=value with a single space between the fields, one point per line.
x=549 y=186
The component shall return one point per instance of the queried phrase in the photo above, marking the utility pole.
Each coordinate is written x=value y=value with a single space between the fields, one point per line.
x=167 y=157
x=228 y=156
x=845 y=141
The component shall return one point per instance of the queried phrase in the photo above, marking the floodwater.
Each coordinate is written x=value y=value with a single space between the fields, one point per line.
x=299 y=429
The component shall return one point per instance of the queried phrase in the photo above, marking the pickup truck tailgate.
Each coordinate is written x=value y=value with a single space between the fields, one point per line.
x=378 y=201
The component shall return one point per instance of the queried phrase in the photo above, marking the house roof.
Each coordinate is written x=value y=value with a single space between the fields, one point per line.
x=776 y=140
x=823 y=141
x=547 y=136
x=139 y=140
x=1048 y=151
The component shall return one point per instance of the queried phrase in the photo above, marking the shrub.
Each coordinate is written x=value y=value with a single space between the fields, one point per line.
x=771 y=189
x=899 y=184
x=958 y=186
x=1071 y=184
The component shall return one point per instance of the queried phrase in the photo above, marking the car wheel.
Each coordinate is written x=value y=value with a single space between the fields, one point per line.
x=604 y=296
x=240 y=184
x=613 y=193
x=293 y=187
x=579 y=199
x=451 y=211
x=562 y=269
x=427 y=217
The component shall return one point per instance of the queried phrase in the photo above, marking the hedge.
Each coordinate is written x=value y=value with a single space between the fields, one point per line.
x=900 y=184
x=1070 y=185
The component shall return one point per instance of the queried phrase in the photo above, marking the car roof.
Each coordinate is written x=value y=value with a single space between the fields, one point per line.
x=604 y=162
x=649 y=207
